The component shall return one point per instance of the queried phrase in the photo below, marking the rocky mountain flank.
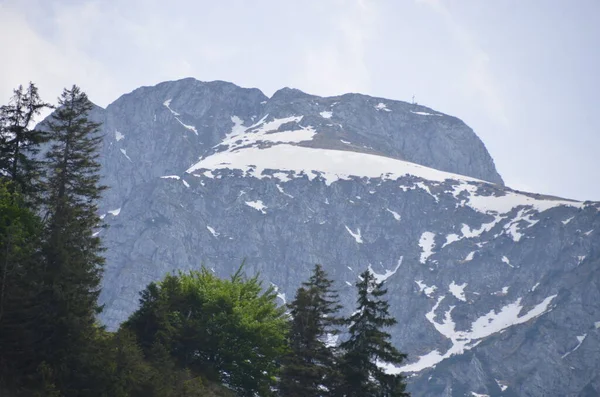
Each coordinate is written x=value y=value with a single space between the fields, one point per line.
x=496 y=291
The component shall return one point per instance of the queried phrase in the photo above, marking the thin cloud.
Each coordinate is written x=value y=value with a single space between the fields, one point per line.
x=479 y=77
x=338 y=64
x=35 y=58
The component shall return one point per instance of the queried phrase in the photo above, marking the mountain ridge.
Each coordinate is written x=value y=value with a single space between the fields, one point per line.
x=407 y=149
x=474 y=268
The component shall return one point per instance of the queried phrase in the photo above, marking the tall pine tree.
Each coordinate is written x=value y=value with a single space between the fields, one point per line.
x=368 y=346
x=20 y=144
x=72 y=252
x=310 y=367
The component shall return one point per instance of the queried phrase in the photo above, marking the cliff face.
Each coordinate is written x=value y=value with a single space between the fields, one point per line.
x=496 y=292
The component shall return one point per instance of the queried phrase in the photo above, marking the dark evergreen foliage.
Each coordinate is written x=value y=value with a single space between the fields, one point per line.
x=20 y=144
x=20 y=267
x=310 y=367
x=369 y=345
x=73 y=263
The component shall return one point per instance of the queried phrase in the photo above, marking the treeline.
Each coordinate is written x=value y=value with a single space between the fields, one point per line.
x=194 y=334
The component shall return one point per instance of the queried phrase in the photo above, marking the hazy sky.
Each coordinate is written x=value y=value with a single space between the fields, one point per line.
x=523 y=74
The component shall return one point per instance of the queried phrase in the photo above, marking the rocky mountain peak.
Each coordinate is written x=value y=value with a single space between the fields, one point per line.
x=494 y=290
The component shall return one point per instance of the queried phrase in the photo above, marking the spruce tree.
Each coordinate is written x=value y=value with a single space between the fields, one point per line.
x=72 y=253
x=20 y=267
x=310 y=368
x=20 y=144
x=369 y=346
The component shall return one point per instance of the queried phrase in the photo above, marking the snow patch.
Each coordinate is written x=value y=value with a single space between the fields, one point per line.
x=424 y=288
x=280 y=295
x=483 y=327
x=345 y=142
x=580 y=340
x=331 y=165
x=357 y=236
x=283 y=191
x=425 y=114
x=502 y=292
x=394 y=213
x=115 y=212
x=458 y=291
x=167 y=104
x=507 y=202
x=512 y=227
x=535 y=287
x=265 y=132
x=382 y=106
x=189 y=127
x=467 y=232
x=326 y=115
x=379 y=278
x=125 y=154
x=501 y=384
x=237 y=129
x=426 y=242
x=568 y=220
x=118 y=136
x=331 y=340
x=170 y=177
x=470 y=256
x=422 y=186
x=212 y=231
x=257 y=205
x=451 y=238
x=185 y=183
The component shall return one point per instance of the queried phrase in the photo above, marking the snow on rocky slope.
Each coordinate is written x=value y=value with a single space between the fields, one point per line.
x=495 y=290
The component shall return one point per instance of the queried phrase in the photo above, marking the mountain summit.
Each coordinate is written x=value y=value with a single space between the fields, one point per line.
x=495 y=290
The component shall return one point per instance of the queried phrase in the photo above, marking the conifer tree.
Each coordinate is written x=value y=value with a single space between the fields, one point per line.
x=310 y=368
x=20 y=265
x=19 y=143
x=369 y=345
x=72 y=251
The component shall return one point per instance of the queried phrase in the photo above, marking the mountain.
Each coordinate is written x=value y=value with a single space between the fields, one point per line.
x=496 y=291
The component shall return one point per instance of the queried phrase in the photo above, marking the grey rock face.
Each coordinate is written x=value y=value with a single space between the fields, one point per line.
x=495 y=291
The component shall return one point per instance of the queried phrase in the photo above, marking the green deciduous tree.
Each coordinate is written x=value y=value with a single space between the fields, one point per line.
x=369 y=346
x=230 y=331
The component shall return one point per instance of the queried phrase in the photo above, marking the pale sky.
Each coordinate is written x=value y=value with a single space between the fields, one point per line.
x=524 y=74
